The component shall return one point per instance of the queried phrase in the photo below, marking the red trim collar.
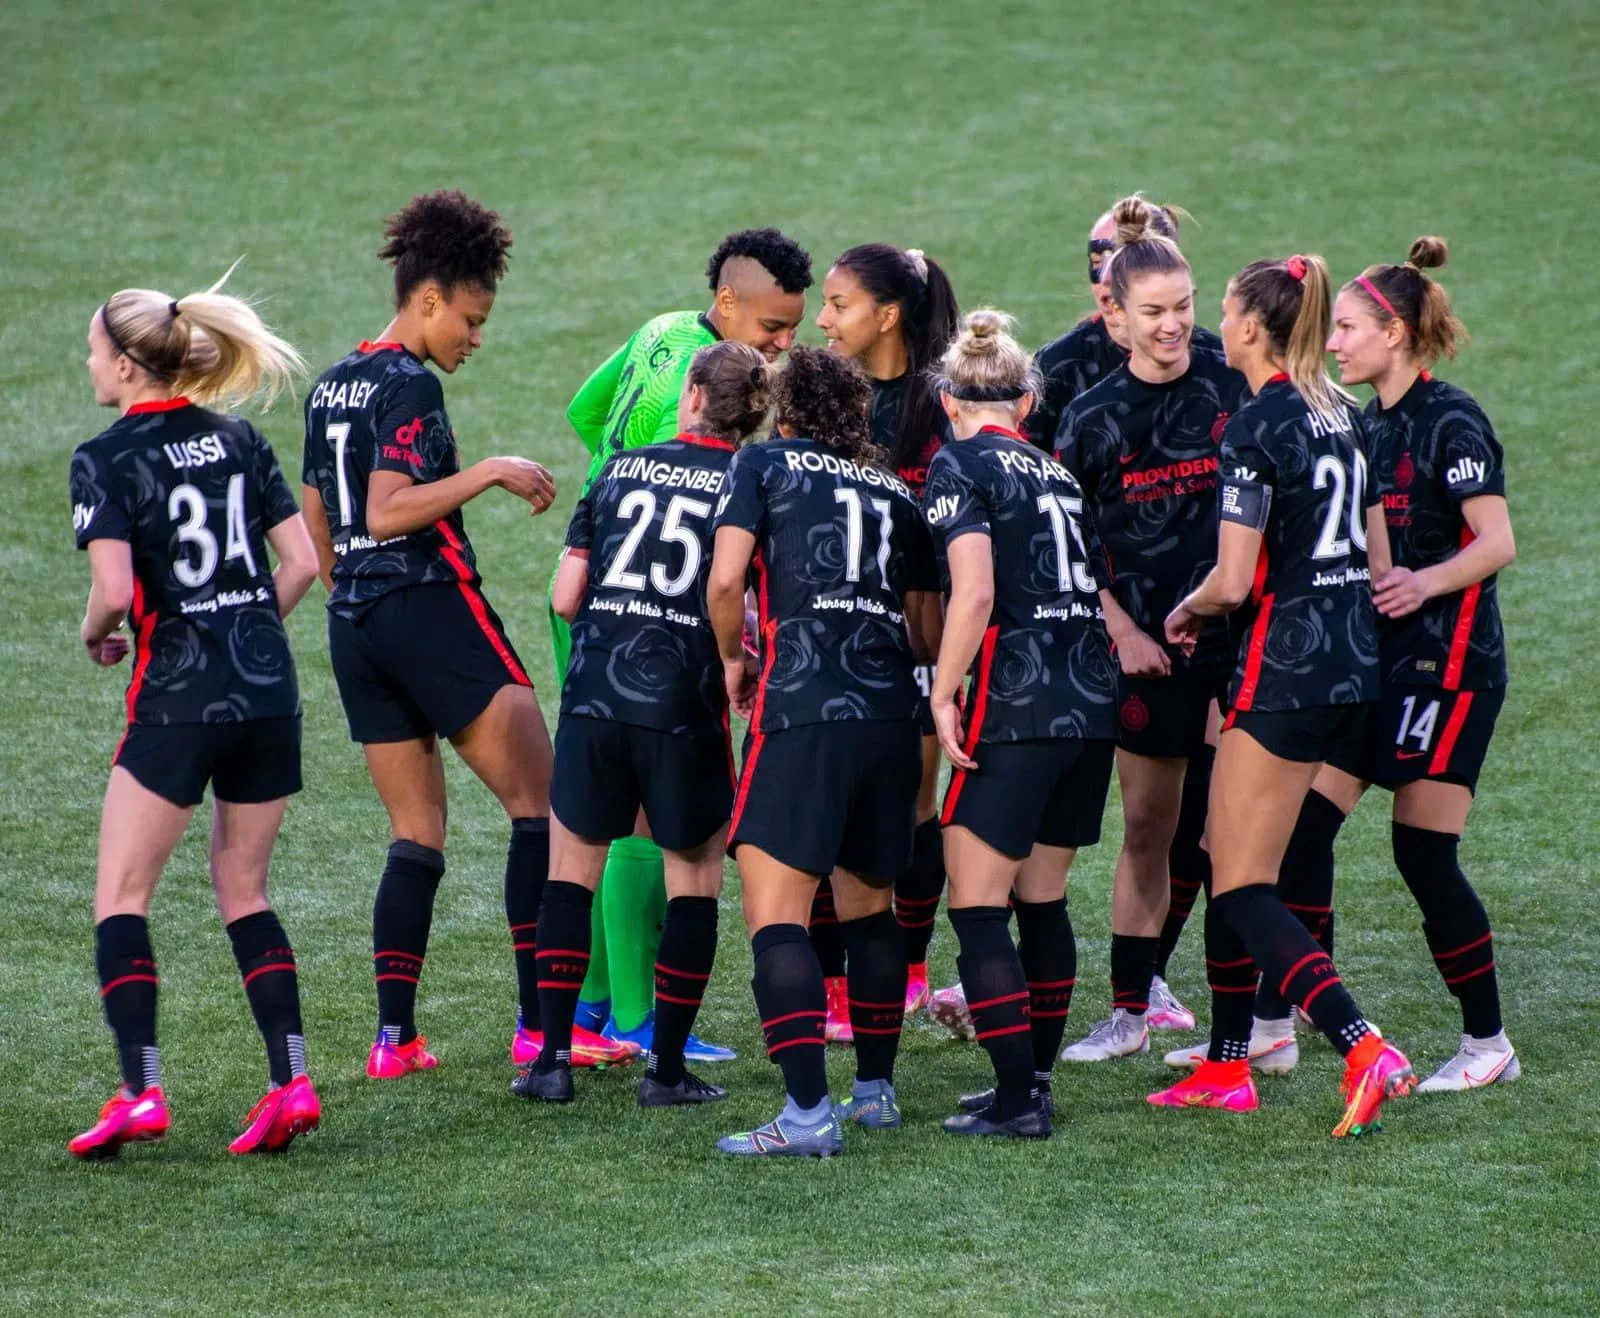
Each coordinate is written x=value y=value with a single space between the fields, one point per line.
x=1001 y=430
x=159 y=405
x=383 y=345
x=706 y=441
x=1280 y=378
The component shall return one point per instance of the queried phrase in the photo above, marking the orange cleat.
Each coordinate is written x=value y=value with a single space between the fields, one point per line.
x=588 y=1048
x=837 y=1029
x=125 y=1119
x=389 y=1061
x=1373 y=1071
x=281 y=1114
x=1225 y=1085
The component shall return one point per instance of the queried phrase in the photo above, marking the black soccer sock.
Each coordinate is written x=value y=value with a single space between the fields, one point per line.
x=126 y=964
x=875 y=951
x=1188 y=863
x=683 y=968
x=825 y=935
x=1133 y=963
x=1048 y=952
x=563 y=957
x=1284 y=950
x=1305 y=886
x=1232 y=976
x=1454 y=923
x=266 y=964
x=917 y=890
x=527 y=864
x=793 y=1009
x=402 y=914
x=997 y=997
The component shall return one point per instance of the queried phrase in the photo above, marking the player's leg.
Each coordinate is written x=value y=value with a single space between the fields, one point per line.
x=139 y=829
x=919 y=886
x=829 y=944
x=251 y=786
x=1152 y=793
x=1048 y=950
x=1429 y=817
x=875 y=957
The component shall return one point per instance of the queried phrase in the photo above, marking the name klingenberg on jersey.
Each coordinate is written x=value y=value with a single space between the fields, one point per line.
x=643 y=651
x=839 y=545
x=1044 y=669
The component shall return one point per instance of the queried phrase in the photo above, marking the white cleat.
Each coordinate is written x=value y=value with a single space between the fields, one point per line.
x=1166 y=1012
x=1480 y=1062
x=1273 y=1050
x=1121 y=1035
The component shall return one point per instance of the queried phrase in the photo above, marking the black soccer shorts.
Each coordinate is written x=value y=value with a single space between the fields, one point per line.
x=832 y=794
x=1424 y=733
x=419 y=661
x=1338 y=734
x=604 y=771
x=245 y=763
x=1050 y=791
x=1165 y=717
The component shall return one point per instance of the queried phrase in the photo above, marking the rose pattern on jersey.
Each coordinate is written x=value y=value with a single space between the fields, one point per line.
x=259 y=648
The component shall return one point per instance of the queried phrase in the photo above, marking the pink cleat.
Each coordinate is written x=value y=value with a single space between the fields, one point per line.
x=279 y=1116
x=837 y=1028
x=125 y=1119
x=390 y=1061
x=1225 y=1085
x=1373 y=1071
x=916 y=987
x=588 y=1048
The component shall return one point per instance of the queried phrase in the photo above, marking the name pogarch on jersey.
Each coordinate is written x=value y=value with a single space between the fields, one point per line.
x=1032 y=464
x=350 y=394
x=196 y=452
x=665 y=474
x=812 y=461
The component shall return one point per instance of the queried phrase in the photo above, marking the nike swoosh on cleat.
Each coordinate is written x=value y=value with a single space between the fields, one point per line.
x=1489 y=1076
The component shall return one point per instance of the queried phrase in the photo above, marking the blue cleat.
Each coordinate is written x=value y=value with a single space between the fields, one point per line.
x=695 y=1049
x=870 y=1105
x=783 y=1137
x=592 y=1015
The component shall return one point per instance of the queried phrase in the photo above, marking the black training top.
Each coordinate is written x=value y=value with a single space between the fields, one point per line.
x=381 y=409
x=1146 y=456
x=642 y=648
x=193 y=493
x=839 y=545
x=1433 y=450
x=1044 y=668
x=1298 y=474
x=887 y=398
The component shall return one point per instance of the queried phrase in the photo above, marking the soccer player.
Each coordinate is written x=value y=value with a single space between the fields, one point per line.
x=840 y=560
x=893 y=312
x=758 y=279
x=1293 y=543
x=1033 y=759
x=417 y=651
x=1441 y=472
x=644 y=719
x=1143 y=444
x=176 y=505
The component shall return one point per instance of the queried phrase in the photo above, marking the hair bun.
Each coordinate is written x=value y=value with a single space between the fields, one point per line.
x=1428 y=253
x=1131 y=215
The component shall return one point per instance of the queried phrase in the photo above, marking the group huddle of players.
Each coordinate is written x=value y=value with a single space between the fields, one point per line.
x=1187 y=557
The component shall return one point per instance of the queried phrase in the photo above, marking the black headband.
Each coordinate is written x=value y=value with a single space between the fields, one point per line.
x=121 y=347
x=972 y=393
x=1099 y=247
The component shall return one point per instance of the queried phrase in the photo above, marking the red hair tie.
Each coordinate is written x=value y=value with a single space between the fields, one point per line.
x=1296 y=266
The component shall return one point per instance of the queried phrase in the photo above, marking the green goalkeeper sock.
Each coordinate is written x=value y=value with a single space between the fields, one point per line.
x=597 y=983
x=633 y=893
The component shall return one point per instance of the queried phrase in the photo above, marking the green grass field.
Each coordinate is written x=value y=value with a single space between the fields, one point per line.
x=152 y=148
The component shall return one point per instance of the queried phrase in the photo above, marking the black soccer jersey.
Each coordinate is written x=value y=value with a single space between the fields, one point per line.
x=838 y=547
x=381 y=409
x=1075 y=362
x=194 y=493
x=887 y=398
x=1298 y=474
x=1045 y=668
x=642 y=648
x=1433 y=450
x=1146 y=456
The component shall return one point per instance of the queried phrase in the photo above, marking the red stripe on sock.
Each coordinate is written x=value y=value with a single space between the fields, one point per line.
x=790 y=1043
x=681 y=1002
x=881 y=1006
x=408 y=956
x=995 y=1002
x=1307 y=959
x=564 y=951
x=1312 y=996
x=1465 y=947
x=128 y=979
x=1471 y=974
x=792 y=1016
x=404 y=979
x=681 y=974
x=1229 y=965
x=1051 y=983
x=1009 y=1029
x=267 y=970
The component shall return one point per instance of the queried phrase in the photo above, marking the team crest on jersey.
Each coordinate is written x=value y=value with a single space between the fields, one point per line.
x=1405 y=471
x=1135 y=714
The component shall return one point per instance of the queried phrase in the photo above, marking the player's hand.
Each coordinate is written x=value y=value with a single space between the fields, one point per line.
x=739 y=680
x=1182 y=628
x=947 y=723
x=108 y=651
x=1141 y=655
x=1399 y=591
x=527 y=480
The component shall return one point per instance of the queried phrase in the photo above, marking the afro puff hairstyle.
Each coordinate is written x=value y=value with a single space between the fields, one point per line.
x=448 y=237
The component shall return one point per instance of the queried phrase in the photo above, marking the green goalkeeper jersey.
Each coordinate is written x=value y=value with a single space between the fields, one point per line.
x=631 y=400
